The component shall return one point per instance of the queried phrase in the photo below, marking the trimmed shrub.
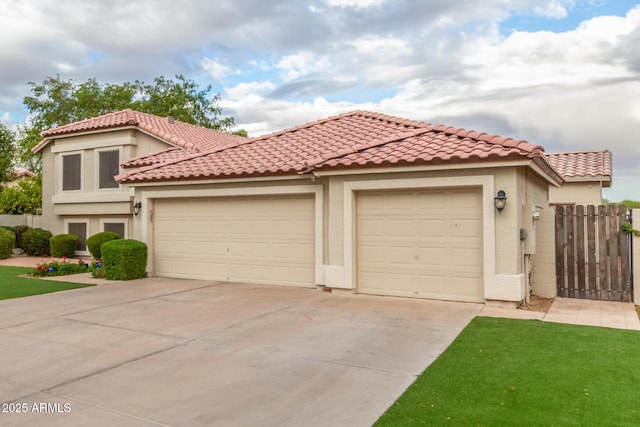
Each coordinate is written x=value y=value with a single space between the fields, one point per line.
x=7 y=240
x=20 y=229
x=6 y=227
x=63 y=245
x=124 y=259
x=35 y=241
x=95 y=242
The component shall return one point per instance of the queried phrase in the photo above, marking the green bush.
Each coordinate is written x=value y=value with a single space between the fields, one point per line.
x=25 y=198
x=124 y=259
x=35 y=241
x=95 y=242
x=20 y=229
x=63 y=245
x=7 y=240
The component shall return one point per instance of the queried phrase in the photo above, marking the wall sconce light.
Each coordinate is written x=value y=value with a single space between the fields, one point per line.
x=136 y=208
x=500 y=201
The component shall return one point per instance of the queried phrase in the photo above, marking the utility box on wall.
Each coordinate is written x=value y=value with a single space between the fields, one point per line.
x=530 y=215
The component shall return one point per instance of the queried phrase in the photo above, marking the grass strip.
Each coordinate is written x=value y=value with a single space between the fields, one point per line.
x=12 y=286
x=506 y=372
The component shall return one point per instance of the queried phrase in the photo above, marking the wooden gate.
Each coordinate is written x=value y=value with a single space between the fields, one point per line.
x=593 y=253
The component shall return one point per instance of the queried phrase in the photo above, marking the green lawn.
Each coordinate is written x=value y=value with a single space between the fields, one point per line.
x=504 y=372
x=12 y=286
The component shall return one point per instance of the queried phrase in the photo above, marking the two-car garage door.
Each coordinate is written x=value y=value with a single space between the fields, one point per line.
x=413 y=243
x=266 y=240
x=421 y=243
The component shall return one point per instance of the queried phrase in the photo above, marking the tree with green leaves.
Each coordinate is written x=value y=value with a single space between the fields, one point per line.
x=7 y=154
x=56 y=102
x=24 y=198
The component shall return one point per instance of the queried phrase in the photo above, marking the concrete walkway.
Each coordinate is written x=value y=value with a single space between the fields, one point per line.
x=618 y=315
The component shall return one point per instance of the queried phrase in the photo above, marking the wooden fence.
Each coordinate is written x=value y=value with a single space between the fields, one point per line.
x=593 y=253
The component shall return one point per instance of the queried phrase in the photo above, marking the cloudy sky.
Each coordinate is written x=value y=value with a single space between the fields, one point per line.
x=564 y=74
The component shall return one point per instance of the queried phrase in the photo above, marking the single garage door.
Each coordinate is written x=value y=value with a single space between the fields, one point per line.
x=421 y=243
x=268 y=240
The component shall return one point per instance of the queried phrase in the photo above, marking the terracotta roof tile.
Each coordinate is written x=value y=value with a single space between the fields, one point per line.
x=359 y=138
x=172 y=131
x=582 y=164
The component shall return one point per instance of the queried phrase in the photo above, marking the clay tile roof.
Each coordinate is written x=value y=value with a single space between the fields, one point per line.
x=581 y=165
x=23 y=173
x=172 y=131
x=356 y=139
x=437 y=144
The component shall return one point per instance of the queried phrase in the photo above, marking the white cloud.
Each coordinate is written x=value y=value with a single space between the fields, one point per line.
x=243 y=90
x=216 y=69
x=356 y=3
x=552 y=8
x=301 y=64
x=381 y=46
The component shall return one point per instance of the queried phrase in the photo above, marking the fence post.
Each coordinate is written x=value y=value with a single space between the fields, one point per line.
x=635 y=248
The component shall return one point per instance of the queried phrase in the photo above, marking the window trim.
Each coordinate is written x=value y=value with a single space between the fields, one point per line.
x=87 y=223
x=122 y=220
x=97 y=152
x=61 y=174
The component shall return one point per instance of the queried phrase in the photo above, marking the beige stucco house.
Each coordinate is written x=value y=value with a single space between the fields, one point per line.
x=359 y=202
x=79 y=162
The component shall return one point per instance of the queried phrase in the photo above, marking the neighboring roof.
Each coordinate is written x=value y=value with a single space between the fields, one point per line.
x=172 y=131
x=582 y=165
x=351 y=140
x=23 y=173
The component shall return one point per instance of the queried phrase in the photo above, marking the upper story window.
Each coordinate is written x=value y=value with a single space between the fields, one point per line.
x=71 y=172
x=109 y=167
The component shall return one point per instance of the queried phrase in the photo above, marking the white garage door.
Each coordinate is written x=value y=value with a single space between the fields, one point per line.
x=267 y=240
x=424 y=244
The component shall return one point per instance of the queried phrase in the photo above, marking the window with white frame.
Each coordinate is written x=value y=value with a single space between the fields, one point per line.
x=71 y=172
x=108 y=168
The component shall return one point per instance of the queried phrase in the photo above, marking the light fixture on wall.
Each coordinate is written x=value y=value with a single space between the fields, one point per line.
x=500 y=201
x=136 y=208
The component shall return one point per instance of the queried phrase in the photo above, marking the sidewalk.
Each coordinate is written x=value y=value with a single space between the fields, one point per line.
x=608 y=314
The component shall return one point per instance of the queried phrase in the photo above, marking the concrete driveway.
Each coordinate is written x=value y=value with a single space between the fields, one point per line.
x=189 y=353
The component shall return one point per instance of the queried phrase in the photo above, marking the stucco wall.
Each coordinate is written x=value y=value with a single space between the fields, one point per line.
x=91 y=202
x=543 y=274
x=579 y=193
x=33 y=221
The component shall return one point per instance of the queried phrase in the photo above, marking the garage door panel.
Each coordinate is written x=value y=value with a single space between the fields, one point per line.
x=399 y=255
x=465 y=200
x=429 y=257
x=371 y=227
x=371 y=254
x=467 y=257
x=431 y=228
x=266 y=240
x=431 y=202
x=400 y=227
x=466 y=228
x=420 y=243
